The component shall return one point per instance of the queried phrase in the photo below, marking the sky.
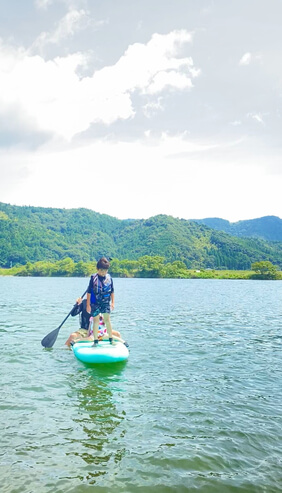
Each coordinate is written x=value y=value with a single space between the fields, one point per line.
x=136 y=108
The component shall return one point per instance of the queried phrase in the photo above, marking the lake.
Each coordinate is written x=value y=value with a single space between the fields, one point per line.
x=197 y=407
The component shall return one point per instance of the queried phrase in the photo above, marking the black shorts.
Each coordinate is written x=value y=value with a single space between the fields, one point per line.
x=100 y=307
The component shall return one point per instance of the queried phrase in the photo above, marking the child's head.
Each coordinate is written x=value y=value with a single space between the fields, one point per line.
x=103 y=264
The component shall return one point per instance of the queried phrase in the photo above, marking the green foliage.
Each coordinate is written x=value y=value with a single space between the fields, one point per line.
x=3 y=216
x=265 y=270
x=44 y=235
x=150 y=266
x=175 y=270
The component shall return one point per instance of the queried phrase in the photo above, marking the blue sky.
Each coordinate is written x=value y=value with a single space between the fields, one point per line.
x=136 y=108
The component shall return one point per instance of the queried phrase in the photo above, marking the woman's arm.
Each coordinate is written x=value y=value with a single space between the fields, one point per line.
x=88 y=297
x=77 y=307
x=88 y=304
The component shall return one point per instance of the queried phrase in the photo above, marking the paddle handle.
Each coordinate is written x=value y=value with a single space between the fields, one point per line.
x=71 y=311
x=82 y=296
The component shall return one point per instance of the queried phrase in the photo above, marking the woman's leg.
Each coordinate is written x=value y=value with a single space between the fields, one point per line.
x=72 y=337
x=88 y=338
x=115 y=338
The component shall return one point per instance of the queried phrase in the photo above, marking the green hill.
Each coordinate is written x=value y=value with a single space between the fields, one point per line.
x=267 y=228
x=30 y=234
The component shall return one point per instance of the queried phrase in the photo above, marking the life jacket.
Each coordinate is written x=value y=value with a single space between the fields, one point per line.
x=101 y=290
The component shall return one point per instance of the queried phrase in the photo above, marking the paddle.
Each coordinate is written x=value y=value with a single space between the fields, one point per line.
x=49 y=340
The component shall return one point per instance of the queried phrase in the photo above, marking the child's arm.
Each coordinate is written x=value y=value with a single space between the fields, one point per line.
x=112 y=301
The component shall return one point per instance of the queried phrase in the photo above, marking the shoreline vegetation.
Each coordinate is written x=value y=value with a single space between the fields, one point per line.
x=145 y=267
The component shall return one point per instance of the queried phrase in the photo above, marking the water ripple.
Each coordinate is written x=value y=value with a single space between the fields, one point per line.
x=196 y=408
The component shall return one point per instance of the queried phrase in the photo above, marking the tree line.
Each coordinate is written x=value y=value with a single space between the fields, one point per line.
x=145 y=267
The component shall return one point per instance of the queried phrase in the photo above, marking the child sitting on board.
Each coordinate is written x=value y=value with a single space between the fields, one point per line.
x=102 y=332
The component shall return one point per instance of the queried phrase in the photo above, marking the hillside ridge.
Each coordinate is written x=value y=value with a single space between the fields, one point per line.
x=30 y=234
x=267 y=227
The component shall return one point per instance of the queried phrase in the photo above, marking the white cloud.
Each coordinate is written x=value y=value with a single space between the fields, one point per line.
x=236 y=123
x=141 y=64
x=153 y=107
x=72 y=22
x=246 y=59
x=166 y=79
x=249 y=58
x=52 y=95
x=258 y=117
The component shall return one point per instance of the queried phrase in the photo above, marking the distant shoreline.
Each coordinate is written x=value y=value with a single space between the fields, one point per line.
x=191 y=274
x=146 y=267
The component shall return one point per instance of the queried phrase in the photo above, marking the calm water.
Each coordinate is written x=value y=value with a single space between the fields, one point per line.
x=196 y=408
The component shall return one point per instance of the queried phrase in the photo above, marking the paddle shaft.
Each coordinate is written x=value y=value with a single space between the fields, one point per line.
x=50 y=339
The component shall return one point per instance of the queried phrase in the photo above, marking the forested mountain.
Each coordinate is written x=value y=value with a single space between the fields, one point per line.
x=267 y=228
x=30 y=234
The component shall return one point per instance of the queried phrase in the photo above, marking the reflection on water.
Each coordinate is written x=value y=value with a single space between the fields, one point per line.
x=98 y=417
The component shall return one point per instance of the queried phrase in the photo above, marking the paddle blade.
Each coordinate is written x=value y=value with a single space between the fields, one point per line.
x=50 y=339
